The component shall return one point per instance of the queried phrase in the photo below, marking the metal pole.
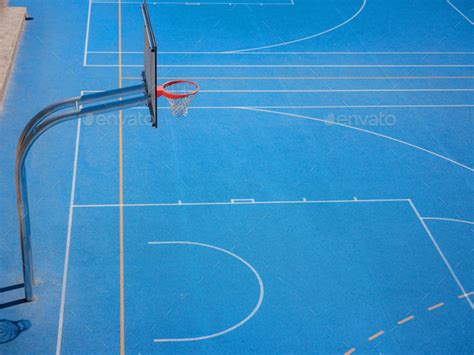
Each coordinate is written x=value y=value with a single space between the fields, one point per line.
x=33 y=130
x=25 y=232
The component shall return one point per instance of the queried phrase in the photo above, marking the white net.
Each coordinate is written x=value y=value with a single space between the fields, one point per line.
x=179 y=107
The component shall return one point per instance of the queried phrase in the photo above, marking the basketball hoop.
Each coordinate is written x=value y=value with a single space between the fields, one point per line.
x=179 y=94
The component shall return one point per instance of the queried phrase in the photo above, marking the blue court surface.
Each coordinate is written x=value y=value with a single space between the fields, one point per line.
x=318 y=198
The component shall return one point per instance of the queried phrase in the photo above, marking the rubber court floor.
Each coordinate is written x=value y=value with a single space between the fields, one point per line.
x=318 y=198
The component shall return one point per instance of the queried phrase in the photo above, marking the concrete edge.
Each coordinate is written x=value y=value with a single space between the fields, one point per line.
x=11 y=62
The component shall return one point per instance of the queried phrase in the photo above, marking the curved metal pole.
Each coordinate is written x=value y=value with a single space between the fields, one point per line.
x=76 y=102
x=33 y=130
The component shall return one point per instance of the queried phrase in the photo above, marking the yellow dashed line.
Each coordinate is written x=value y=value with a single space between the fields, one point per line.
x=404 y=320
x=376 y=335
x=408 y=319
x=432 y=308
x=466 y=295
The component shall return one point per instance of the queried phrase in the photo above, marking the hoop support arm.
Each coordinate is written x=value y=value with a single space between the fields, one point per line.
x=39 y=124
x=76 y=102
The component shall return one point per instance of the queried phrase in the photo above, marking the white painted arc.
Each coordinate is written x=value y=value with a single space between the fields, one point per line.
x=443 y=219
x=364 y=2
x=365 y=131
x=235 y=326
x=440 y=252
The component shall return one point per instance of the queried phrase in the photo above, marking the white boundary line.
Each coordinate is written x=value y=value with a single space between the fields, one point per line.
x=287 y=53
x=242 y=200
x=86 y=45
x=239 y=324
x=365 y=131
x=248 y=202
x=68 y=242
x=323 y=106
x=248 y=51
x=288 y=65
x=307 y=107
x=440 y=252
x=460 y=12
x=304 y=201
x=258 y=108
x=447 y=220
x=336 y=90
x=364 y=2
x=317 y=78
x=199 y=3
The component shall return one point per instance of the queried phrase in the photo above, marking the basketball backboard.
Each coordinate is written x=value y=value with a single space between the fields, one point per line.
x=149 y=72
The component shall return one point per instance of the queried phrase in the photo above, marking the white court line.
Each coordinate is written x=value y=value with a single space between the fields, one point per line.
x=460 y=12
x=440 y=252
x=289 y=65
x=199 y=3
x=68 y=242
x=86 y=45
x=364 y=2
x=230 y=203
x=323 y=107
x=365 y=131
x=466 y=295
x=447 y=220
x=288 y=53
x=297 y=78
x=255 y=108
x=166 y=108
x=267 y=110
x=409 y=201
x=242 y=200
x=336 y=90
x=86 y=51
x=239 y=324
x=300 y=107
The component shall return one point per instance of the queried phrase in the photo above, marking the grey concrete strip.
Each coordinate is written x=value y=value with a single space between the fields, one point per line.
x=12 y=20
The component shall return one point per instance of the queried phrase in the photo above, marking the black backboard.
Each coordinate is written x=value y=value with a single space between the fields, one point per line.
x=149 y=73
